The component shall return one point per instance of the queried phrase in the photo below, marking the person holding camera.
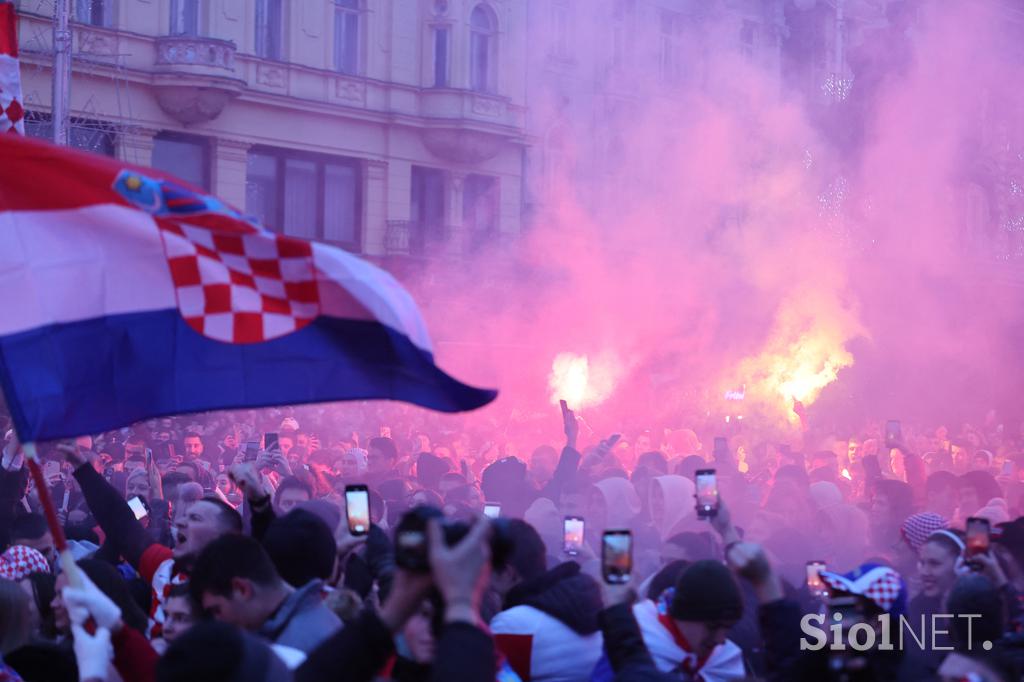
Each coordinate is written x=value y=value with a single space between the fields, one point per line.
x=457 y=574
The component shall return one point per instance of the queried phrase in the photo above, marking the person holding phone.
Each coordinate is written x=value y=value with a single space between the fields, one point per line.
x=548 y=629
x=688 y=629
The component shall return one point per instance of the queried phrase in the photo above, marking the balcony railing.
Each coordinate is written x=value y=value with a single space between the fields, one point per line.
x=414 y=238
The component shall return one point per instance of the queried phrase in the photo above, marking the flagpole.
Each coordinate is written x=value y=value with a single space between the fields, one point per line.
x=61 y=115
x=67 y=560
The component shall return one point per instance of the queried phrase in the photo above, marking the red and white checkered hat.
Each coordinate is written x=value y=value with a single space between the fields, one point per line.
x=918 y=527
x=881 y=584
x=20 y=561
x=241 y=287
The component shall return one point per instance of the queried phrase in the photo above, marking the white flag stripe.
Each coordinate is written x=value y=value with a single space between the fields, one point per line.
x=374 y=288
x=112 y=259
x=71 y=265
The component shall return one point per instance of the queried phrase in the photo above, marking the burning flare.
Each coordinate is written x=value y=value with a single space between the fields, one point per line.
x=803 y=355
x=582 y=383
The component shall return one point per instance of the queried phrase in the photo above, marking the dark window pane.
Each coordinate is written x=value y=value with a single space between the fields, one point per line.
x=95 y=12
x=479 y=67
x=481 y=19
x=440 y=57
x=261 y=189
x=268 y=28
x=428 y=227
x=185 y=17
x=341 y=203
x=346 y=41
x=300 y=198
x=85 y=134
x=183 y=158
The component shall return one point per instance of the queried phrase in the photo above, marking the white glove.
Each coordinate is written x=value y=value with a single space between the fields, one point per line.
x=93 y=652
x=89 y=600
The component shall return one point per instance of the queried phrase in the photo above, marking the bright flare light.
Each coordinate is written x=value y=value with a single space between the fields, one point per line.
x=804 y=354
x=580 y=382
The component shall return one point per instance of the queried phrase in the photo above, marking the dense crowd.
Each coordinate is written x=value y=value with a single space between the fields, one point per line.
x=222 y=547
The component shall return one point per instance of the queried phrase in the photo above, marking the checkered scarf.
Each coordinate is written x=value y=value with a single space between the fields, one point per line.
x=20 y=561
x=880 y=584
x=917 y=528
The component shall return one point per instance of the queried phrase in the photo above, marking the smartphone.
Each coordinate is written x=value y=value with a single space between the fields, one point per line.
x=252 y=450
x=707 y=493
x=138 y=508
x=978 y=536
x=270 y=442
x=1007 y=468
x=616 y=556
x=492 y=510
x=721 y=445
x=815 y=585
x=572 y=532
x=357 y=508
x=893 y=433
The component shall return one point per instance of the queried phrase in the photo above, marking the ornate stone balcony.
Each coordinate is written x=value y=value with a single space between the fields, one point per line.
x=466 y=126
x=194 y=77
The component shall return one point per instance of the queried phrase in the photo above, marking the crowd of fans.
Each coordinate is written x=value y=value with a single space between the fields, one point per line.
x=218 y=548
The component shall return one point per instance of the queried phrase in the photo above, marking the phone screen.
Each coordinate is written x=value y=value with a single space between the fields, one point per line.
x=572 y=527
x=978 y=530
x=492 y=510
x=252 y=449
x=357 y=507
x=270 y=442
x=137 y=508
x=616 y=556
x=893 y=433
x=707 y=493
x=815 y=584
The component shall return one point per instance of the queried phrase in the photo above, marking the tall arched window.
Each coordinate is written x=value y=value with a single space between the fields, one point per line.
x=483 y=43
x=346 y=36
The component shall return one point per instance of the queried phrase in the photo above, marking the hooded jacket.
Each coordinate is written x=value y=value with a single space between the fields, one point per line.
x=303 y=620
x=677 y=495
x=621 y=502
x=549 y=631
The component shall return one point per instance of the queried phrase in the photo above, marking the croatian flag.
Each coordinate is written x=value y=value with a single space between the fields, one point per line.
x=127 y=295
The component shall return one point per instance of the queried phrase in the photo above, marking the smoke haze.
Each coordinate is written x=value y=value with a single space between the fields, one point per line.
x=732 y=230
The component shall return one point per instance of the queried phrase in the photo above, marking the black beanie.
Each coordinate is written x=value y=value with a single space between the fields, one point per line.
x=706 y=591
x=301 y=546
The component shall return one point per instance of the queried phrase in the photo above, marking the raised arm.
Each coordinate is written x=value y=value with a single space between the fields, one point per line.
x=109 y=508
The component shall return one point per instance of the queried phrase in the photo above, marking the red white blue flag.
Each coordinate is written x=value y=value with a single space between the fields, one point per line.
x=128 y=295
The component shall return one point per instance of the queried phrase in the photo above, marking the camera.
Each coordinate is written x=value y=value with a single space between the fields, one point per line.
x=412 y=543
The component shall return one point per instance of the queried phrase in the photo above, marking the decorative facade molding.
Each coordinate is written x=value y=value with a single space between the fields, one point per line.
x=193 y=51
